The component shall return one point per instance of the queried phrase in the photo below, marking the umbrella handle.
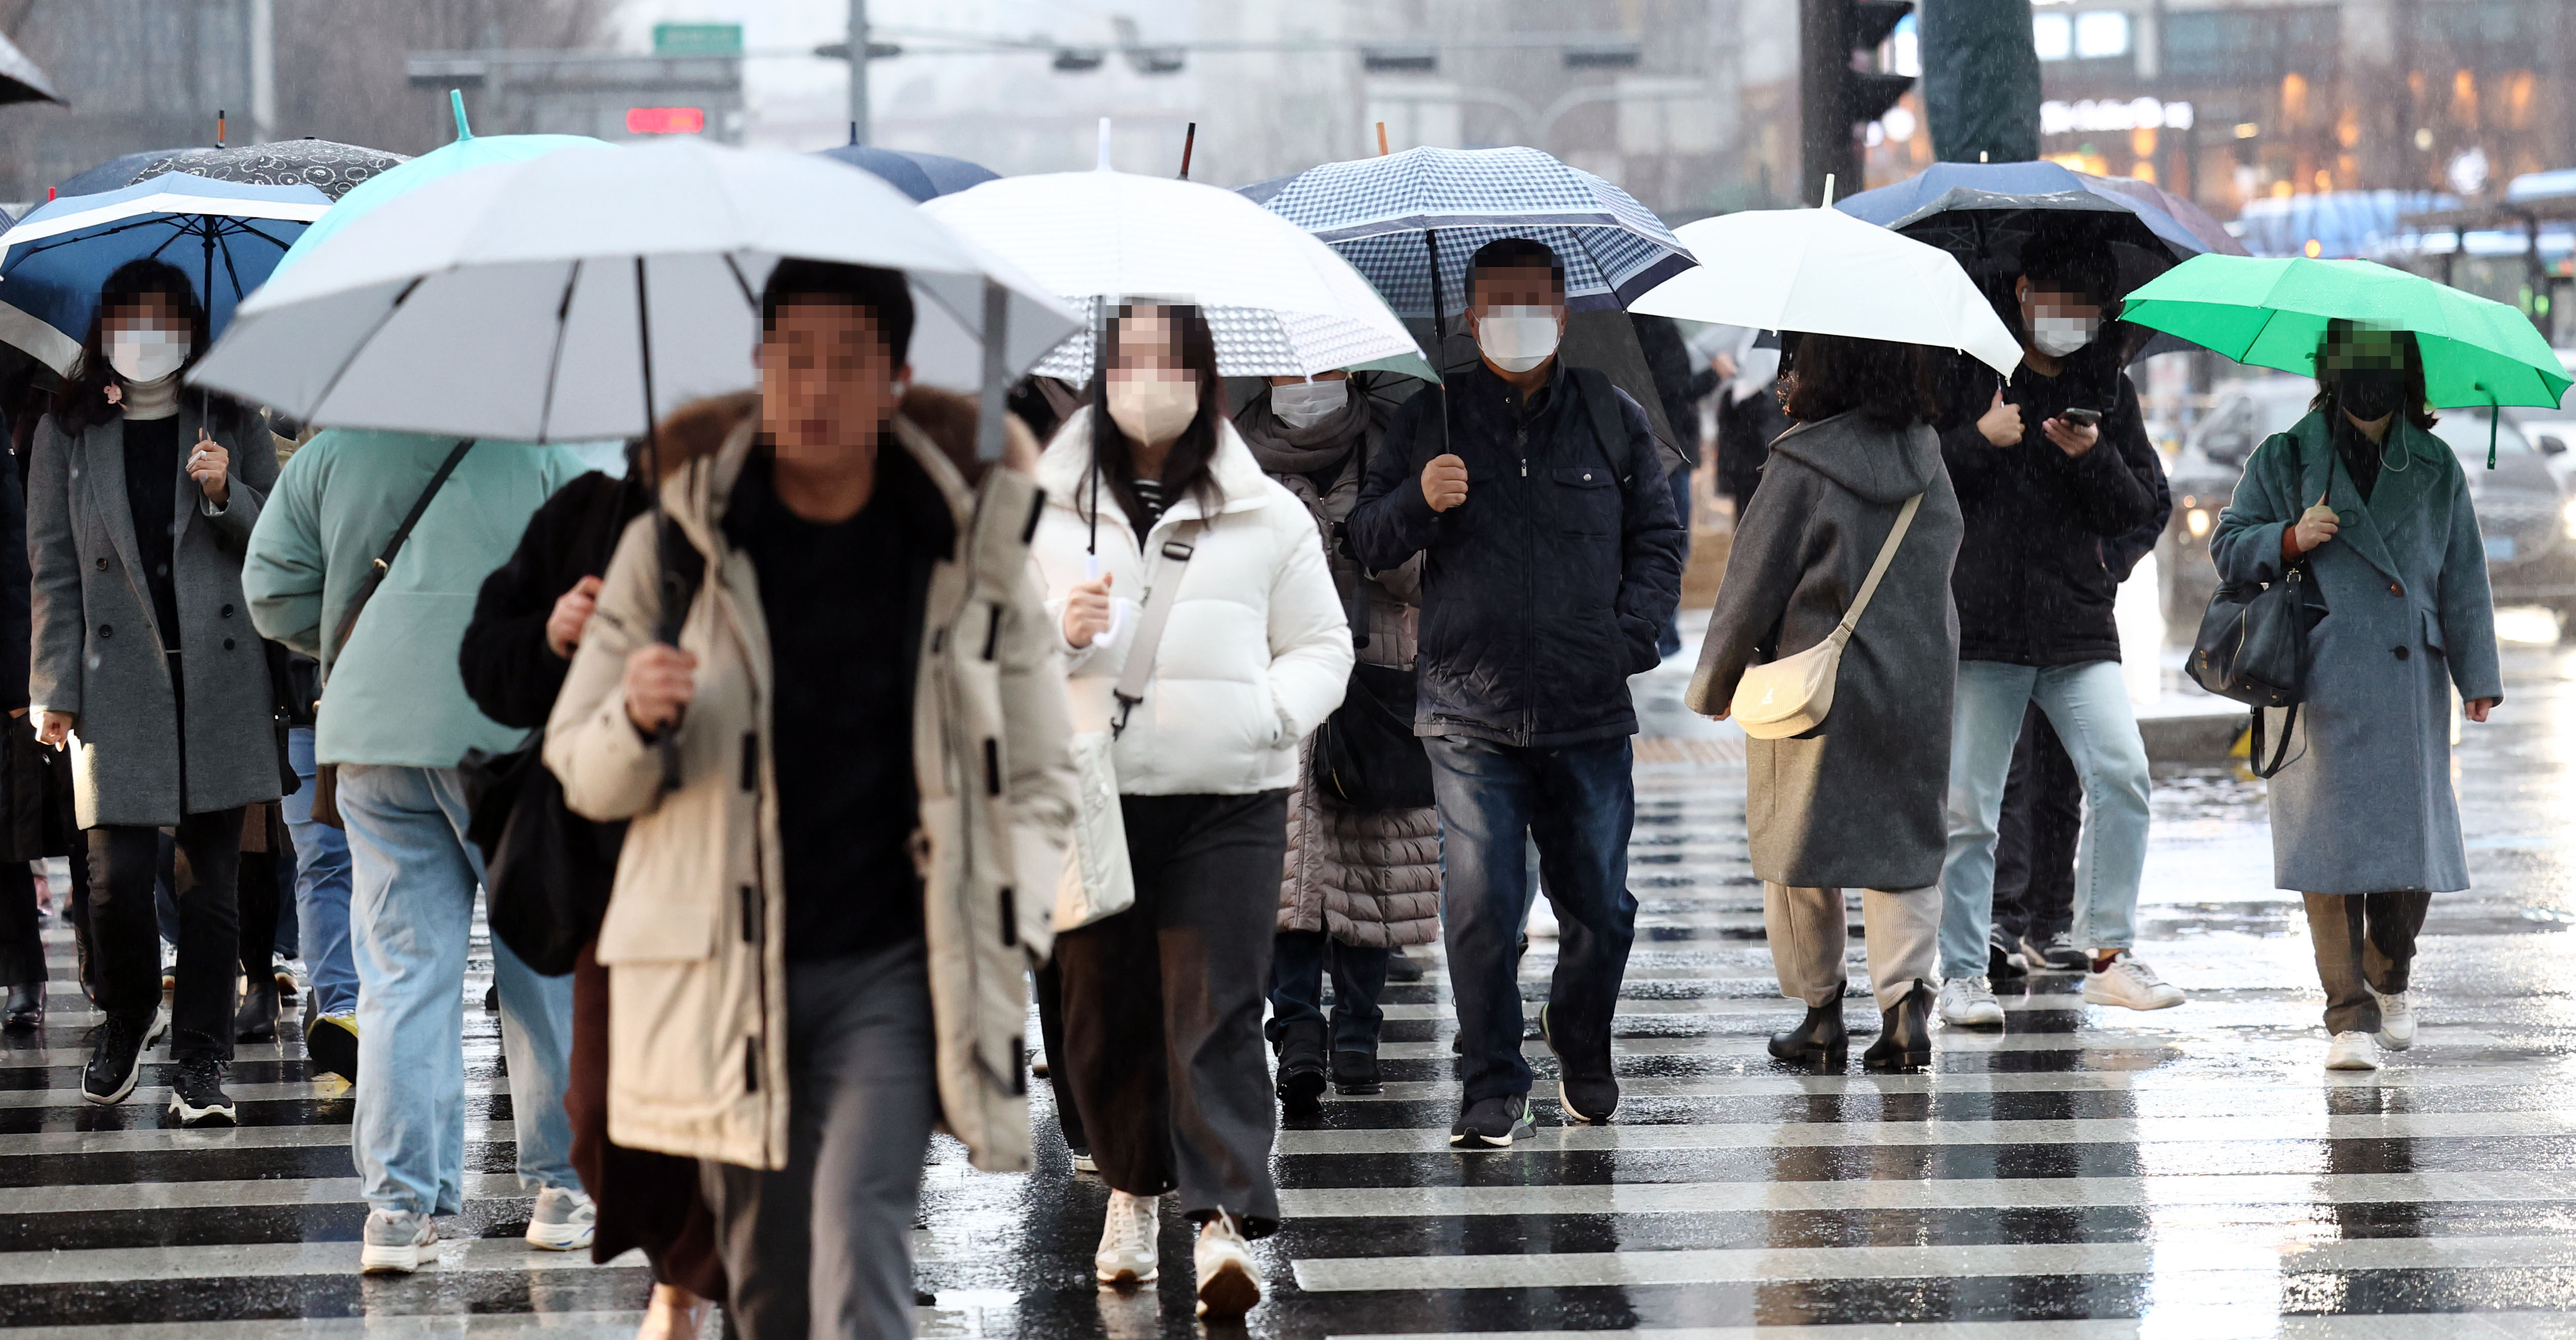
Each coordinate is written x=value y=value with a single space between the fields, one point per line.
x=2495 y=414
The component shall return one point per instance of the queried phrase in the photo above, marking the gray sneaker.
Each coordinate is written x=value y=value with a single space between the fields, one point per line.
x=396 y=1242
x=2057 y=953
x=564 y=1220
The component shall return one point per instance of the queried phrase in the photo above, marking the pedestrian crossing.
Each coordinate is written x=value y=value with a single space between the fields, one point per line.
x=2085 y=1174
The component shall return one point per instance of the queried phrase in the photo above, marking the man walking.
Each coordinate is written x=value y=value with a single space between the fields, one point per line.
x=1554 y=560
x=394 y=718
x=2050 y=469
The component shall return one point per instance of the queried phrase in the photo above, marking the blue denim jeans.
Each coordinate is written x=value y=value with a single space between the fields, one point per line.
x=1578 y=802
x=411 y=912
x=321 y=889
x=1298 y=962
x=2088 y=705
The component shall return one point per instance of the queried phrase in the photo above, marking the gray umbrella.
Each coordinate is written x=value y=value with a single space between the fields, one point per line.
x=20 y=80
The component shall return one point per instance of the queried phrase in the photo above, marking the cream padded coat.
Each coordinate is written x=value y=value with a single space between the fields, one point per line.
x=698 y=1002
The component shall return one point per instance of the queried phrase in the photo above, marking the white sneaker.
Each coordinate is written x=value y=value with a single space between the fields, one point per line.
x=2130 y=984
x=1229 y=1282
x=1127 y=1242
x=1968 y=1002
x=395 y=1241
x=2396 y=1020
x=564 y=1220
x=2352 y=1051
x=1084 y=1163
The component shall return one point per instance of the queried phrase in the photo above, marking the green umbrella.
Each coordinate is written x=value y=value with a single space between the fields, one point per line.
x=2271 y=311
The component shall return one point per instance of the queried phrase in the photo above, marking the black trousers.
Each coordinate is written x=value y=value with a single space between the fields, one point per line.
x=1162 y=1007
x=2364 y=942
x=22 y=945
x=2035 y=836
x=265 y=885
x=1049 y=989
x=126 y=939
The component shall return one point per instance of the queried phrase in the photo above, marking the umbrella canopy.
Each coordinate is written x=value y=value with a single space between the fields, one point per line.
x=1917 y=205
x=1280 y=302
x=20 y=80
x=2272 y=311
x=1825 y=272
x=581 y=295
x=123 y=170
x=457 y=155
x=327 y=166
x=921 y=176
x=227 y=236
x=1390 y=217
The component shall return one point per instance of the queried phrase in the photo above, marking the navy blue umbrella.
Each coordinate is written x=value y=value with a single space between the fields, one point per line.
x=2182 y=227
x=921 y=176
x=122 y=170
x=226 y=236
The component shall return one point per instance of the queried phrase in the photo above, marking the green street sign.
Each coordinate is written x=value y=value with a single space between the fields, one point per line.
x=697 y=39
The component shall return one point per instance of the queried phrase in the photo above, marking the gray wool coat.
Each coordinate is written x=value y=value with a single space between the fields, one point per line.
x=2366 y=805
x=1858 y=801
x=97 y=645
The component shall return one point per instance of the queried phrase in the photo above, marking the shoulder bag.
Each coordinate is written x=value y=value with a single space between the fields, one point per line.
x=1098 y=879
x=1790 y=696
x=2253 y=648
x=326 y=776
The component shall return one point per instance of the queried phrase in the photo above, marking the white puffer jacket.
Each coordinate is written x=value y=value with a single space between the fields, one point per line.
x=1257 y=652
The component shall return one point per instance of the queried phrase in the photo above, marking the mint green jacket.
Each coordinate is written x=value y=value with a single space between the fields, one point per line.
x=393 y=694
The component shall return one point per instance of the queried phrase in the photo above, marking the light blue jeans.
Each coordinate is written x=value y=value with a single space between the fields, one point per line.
x=321 y=889
x=411 y=913
x=2089 y=706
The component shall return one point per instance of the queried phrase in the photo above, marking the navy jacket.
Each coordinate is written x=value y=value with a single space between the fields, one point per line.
x=1544 y=590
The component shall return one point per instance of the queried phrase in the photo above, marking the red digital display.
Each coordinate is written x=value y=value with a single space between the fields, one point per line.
x=665 y=120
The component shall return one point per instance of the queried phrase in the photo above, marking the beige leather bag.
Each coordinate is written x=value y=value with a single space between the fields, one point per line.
x=1790 y=696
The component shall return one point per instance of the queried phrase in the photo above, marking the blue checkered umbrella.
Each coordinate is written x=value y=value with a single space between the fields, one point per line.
x=1390 y=216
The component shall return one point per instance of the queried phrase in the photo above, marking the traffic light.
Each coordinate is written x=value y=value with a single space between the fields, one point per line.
x=1840 y=88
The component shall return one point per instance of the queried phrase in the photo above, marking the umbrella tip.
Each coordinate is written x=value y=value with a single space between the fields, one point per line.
x=1829 y=192
x=854 y=134
x=1103 y=163
x=456 y=104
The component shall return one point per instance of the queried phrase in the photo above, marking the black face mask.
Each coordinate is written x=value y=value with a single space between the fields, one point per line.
x=2370 y=393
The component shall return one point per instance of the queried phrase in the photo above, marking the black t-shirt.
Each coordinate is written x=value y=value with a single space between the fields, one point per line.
x=843 y=602
x=152 y=492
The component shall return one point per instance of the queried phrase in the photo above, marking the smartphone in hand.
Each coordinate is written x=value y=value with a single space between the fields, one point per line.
x=2082 y=418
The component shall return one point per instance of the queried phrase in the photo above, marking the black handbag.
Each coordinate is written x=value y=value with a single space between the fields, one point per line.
x=2253 y=648
x=546 y=870
x=1366 y=754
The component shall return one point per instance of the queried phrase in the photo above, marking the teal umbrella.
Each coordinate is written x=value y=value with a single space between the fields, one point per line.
x=466 y=151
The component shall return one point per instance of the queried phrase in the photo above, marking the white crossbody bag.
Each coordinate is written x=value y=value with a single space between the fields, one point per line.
x=1790 y=696
x=1099 y=880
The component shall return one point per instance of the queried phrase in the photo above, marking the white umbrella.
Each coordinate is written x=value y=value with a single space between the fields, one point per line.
x=580 y=295
x=1280 y=302
x=1824 y=272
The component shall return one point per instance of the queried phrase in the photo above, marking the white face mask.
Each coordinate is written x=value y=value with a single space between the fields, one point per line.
x=141 y=355
x=1153 y=411
x=2058 y=336
x=1305 y=404
x=1517 y=338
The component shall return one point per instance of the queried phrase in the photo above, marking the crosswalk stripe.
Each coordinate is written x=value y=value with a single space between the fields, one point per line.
x=2302 y=1078
x=2105 y=1130
x=116 y=1197
x=1964 y=1042
x=2199 y=1322
x=1944 y=1193
x=216 y=1137
x=269 y=1260
x=2211 y=1252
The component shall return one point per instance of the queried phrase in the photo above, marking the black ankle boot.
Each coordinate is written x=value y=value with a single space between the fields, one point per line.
x=1356 y=1073
x=1301 y=1069
x=256 y=1020
x=1819 y=1039
x=1904 y=1034
x=26 y=1010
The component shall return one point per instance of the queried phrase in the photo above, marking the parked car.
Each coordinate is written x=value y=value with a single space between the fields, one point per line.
x=2526 y=509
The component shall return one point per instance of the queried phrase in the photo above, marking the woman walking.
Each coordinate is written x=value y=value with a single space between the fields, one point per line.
x=1162 y=1002
x=140 y=500
x=2365 y=825
x=1360 y=883
x=1858 y=800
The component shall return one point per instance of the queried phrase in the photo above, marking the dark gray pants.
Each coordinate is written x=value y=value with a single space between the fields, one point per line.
x=2364 y=942
x=823 y=1247
x=1162 y=1007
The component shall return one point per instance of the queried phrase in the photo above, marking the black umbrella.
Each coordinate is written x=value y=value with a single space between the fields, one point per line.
x=326 y=165
x=20 y=80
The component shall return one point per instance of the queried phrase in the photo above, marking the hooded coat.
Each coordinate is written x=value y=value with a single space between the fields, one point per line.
x=1856 y=802
x=2366 y=804
x=1368 y=878
x=695 y=954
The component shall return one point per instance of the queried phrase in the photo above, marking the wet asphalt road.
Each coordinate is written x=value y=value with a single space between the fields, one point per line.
x=2089 y=1173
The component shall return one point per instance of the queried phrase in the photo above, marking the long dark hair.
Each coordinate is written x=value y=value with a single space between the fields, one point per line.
x=82 y=403
x=2410 y=358
x=1888 y=383
x=1187 y=470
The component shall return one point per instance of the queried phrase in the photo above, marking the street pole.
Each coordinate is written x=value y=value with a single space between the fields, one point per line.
x=263 y=70
x=1826 y=145
x=858 y=71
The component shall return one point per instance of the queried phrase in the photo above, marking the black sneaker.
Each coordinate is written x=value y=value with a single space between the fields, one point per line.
x=26 y=1010
x=331 y=1040
x=1492 y=1123
x=2004 y=966
x=1586 y=1097
x=197 y=1096
x=1301 y=1068
x=1403 y=967
x=256 y=1020
x=1356 y=1073
x=115 y=1061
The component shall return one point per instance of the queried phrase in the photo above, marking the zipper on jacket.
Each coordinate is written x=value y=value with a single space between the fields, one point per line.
x=1529 y=546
